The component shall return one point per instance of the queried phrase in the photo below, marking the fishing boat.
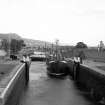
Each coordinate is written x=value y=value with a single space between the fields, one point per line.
x=56 y=65
x=38 y=56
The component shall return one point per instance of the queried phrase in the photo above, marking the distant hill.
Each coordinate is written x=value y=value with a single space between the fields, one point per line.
x=28 y=42
x=31 y=42
x=10 y=35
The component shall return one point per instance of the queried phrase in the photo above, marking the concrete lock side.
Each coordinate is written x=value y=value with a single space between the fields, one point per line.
x=16 y=85
x=91 y=78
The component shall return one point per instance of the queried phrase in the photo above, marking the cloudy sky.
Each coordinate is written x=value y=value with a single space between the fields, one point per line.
x=70 y=21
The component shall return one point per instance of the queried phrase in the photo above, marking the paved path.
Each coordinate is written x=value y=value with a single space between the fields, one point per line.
x=43 y=90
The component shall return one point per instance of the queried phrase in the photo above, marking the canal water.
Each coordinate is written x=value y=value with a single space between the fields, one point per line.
x=43 y=90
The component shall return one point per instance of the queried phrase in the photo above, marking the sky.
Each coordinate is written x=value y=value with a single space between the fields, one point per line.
x=70 y=21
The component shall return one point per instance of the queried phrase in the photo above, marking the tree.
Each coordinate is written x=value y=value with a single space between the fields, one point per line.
x=81 y=45
x=16 y=45
x=5 y=45
x=81 y=54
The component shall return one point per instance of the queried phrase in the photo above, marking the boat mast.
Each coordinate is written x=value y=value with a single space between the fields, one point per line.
x=57 y=55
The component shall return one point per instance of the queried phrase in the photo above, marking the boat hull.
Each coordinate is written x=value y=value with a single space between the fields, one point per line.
x=57 y=68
